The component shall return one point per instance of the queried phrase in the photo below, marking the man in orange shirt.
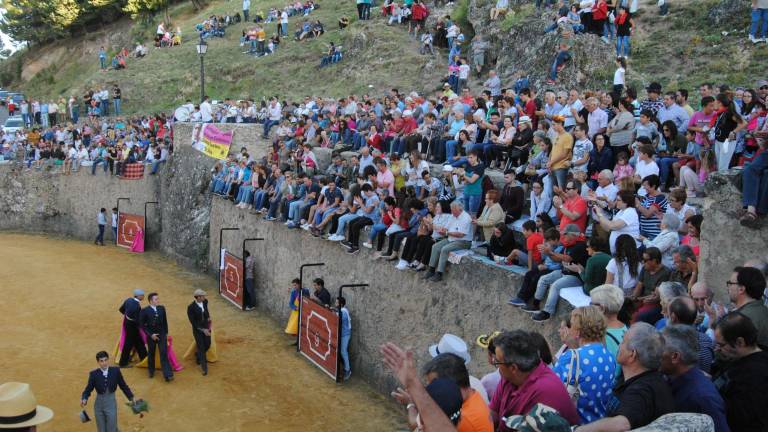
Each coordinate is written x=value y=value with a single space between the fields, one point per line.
x=475 y=415
x=571 y=206
x=562 y=151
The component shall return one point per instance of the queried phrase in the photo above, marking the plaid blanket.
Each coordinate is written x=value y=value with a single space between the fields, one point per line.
x=133 y=171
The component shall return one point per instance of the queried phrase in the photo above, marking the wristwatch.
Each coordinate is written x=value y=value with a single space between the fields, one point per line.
x=410 y=405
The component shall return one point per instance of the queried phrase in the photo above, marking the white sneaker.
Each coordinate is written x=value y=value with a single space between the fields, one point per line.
x=305 y=227
x=288 y=223
x=336 y=238
x=402 y=265
x=367 y=245
x=753 y=39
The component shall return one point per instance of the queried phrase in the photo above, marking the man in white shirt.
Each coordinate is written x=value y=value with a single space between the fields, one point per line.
x=246 y=9
x=572 y=107
x=274 y=114
x=458 y=232
x=206 y=111
x=284 y=23
x=597 y=119
x=606 y=191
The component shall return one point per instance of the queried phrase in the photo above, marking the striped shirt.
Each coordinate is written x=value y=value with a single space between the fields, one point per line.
x=650 y=227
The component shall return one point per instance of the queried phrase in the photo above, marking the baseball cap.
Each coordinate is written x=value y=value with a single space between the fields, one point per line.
x=447 y=396
x=541 y=418
x=762 y=83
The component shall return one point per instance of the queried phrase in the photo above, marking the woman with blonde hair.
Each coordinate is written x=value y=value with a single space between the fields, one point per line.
x=587 y=369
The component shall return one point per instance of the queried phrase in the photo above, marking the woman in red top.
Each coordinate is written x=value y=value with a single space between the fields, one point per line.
x=419 y=13
x=600 y=19
x=374 y=138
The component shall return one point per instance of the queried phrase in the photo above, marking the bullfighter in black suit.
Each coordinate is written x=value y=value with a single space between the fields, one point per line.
x=155 y=324
x=200 y=318
x=131 y=308
x=105 y=381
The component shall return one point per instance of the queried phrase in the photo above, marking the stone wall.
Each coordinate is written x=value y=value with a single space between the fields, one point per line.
x=397 y=305
x=40 y=201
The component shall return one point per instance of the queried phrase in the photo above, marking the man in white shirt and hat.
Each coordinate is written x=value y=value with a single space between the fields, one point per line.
x=453 y=344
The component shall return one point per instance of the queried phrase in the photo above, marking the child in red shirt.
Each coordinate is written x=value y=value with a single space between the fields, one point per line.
x=533 y=239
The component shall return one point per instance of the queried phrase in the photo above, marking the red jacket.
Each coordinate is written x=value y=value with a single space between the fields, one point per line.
x=600 y=10
x=419 y=11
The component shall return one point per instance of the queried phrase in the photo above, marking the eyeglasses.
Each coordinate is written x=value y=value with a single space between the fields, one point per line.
x=570 y=188
x=764 y=88
x=646 y=259
x=498 y=363
x=729 y=283
x=699 y=299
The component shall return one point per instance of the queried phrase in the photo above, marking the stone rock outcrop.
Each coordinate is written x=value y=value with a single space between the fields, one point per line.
x=525 y=48
x=725 y=244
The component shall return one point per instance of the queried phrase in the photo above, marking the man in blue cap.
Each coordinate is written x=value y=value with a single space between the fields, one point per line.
x=130 y=309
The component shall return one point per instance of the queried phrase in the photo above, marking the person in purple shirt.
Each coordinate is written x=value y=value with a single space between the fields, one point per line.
x=525 y=381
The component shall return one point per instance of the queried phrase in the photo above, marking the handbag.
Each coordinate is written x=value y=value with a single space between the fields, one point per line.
x=574 y=392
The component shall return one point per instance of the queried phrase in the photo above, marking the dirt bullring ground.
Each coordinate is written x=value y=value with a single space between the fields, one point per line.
x=59 y=307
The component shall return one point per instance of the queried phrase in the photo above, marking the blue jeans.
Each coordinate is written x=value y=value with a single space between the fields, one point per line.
x=268 y=125
x=563 y=281
x=96 y=163
x=283 y=29
x=155 y=166
x=343 y=222
x=375 y=230
x=114 y=234
x=117 y=106
x=561 y=176
x=258 y=199
x=450 y=149
x=609 y=30
x=622 y=46
x=100 y=236
x=665 y=164
x=103 y=62
x=753 y=176
x=344 y=349
x=75 y=115
x=759 y=15
x=472 y=203
x=242 y=194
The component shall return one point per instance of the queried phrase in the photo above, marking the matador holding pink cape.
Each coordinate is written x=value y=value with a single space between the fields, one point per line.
x=133 y=339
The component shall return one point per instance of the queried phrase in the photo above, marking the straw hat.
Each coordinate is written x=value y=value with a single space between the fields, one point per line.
x=19 y=408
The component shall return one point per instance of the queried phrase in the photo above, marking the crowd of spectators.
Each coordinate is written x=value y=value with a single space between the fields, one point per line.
x=111 y=144
x=599 y=218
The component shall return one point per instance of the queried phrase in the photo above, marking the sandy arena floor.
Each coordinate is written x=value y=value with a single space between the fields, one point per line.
x=59 y=307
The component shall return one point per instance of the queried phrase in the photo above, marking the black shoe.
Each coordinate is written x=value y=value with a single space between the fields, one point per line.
x=541 y=316
x=168 y=379
x=428 y=275
x=530 y=309
x=353 y=250
x=151 y=375
x=346 y=244
x=438 y=277
x=205 y=373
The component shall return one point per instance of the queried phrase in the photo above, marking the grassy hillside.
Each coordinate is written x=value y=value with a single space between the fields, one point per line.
x=375 y=55
x=680 y=50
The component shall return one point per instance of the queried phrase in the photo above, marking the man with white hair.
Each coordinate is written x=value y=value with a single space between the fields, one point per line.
x=692 y=389
x=458 y=235
x=606 y=191
x=597 y=119
x=644 y=395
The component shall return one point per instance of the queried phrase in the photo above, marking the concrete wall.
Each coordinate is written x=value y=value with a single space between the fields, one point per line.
x=40 y=201
x=397 y=305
